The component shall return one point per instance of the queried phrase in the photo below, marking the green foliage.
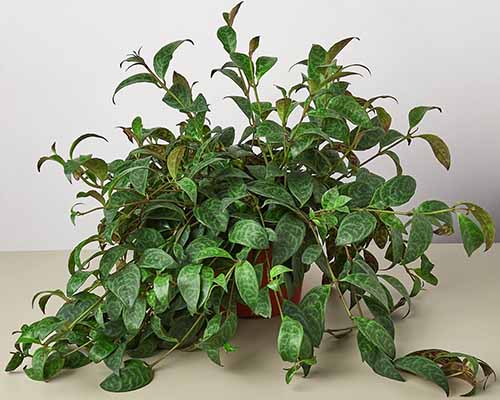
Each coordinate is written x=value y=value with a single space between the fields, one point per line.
x=188 y=216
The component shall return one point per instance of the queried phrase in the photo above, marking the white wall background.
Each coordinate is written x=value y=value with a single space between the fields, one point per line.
x=59 y=66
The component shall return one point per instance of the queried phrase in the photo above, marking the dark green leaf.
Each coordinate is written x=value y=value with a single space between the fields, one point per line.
x=161 y=287
x=419 y=239
x=36 y=372
x=263 y=306
x=134 y=316
x=376 y=334
x=115 y=359
x=272 y=131
x=243 y=104
x=189 y=187
x=416 y=114
x=14 y=362
x=425 y=368
x=125 y=284
x=368 y=283
x=157 y=259
x=246 y=281
x=243 y=62
x=349 y=108
x=377 y=360
x=163 y=57
x=227 y=36
x=271 y=190
x=213 y=214
x=210 y=252
x=355 y=227
x=290 y=233
x=101 y=349
x=290 y=339
x=472 y=236
x=109 y=259
x=189 y=283
x=134 y=375
x=249 y=233
x=264 y=64
x=311 y=253
x=301 y=186
x=397 y=191
x=137 y=78
x=485 y=221
x=76 y=281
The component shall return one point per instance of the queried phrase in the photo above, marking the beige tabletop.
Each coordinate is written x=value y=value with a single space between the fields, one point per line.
x=461 y=314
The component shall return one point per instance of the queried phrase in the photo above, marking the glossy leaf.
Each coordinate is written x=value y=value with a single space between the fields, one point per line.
x=349 y=108
x=134 y=375
x=125 y=284
x=311 y=253
x=157 y=259
x=189 y=187
x=249 y=233
x=189 y=283
x=131 y=80
x=162 y=58
x=213 y=214
x=485 y=221
x=76 y=281
x=370 y=284
x=355 y=227
x=376 y=334
x=397 y=191
x=290 y=233
x=174 y=160
x=247 y=283
x=417 y=114
x=472 y=236
x=227 y=36
x=425 y=368
x=419 y=239
x=301 y=186
x=290 y=338
x=264 y=64
x=243 y=62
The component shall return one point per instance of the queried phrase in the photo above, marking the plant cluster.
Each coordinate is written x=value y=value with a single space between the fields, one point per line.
x=185 y=214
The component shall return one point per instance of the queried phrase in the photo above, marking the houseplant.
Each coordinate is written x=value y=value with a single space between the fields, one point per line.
x=186 y=216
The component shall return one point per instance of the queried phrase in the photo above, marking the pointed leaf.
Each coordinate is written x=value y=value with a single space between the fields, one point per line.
x=290 y=233
x=416 y=114
x=355 y=227
x=419 y=239
x=134 y=375
x=189 y=284
x=368 y=283
x=137 y=78
x=189 y=187
x=125 y=284
x=264 y=64
x=290 y=339
x=439 y=148
x=424 y=368
x=376 y=334
x=162 y=58
x=472 y=236
x=247 y=284
x=301 y=186
x=249 y=233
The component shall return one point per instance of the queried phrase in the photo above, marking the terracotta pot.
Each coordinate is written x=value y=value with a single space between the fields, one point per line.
x=265 y=257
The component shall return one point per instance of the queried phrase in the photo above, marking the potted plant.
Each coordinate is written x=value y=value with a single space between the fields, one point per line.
x=197 y=222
